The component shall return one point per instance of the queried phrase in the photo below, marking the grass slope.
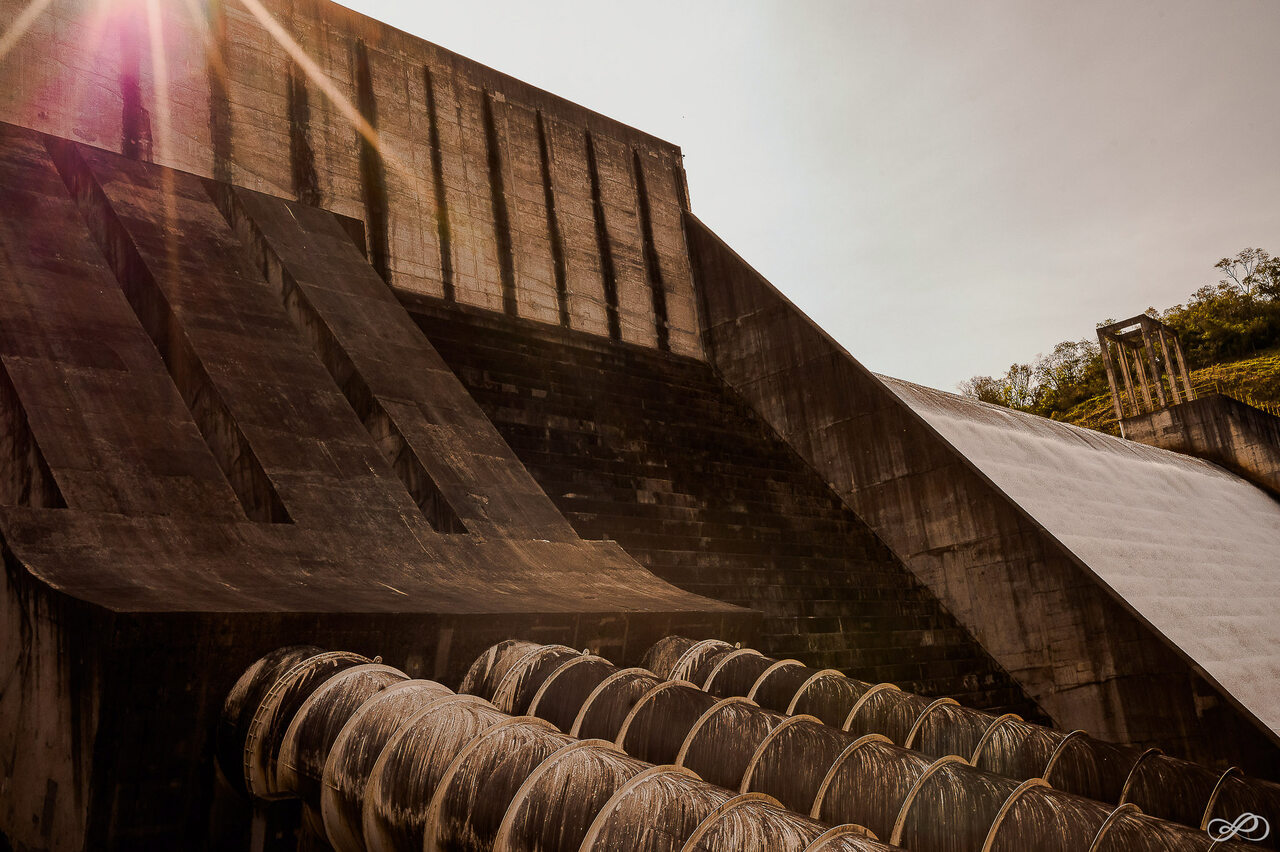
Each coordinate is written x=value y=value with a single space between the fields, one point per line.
x=1255 y=380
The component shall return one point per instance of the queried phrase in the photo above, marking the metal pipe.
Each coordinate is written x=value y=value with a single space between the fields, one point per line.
x=397 y=764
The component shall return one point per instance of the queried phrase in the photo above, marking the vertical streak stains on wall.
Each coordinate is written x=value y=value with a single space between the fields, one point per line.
x=135 y=121
x=210 y=412
x=25 y=478
x=651 y=263
x=682 y=189
x=221 y=128
x=373 y=171
x=302 y=158
x=553 y=224
x=501 y=216
x=607 y=269
x=442 y=200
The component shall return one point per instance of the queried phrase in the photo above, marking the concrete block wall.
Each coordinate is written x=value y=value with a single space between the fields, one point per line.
x=657 y=454
x=473 y=186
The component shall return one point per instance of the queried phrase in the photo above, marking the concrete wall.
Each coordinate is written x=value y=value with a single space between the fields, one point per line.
x=659 y=455
x=1077 y=649
x=476 y=187
x=1218 y=428
x=220 y=432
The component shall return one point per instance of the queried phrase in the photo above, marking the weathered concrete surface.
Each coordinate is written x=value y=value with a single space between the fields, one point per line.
x=1190 y=547
x=202 y=462
x=476 y=189
x=1078 y=639
x=653 y=451
x=1218 y=428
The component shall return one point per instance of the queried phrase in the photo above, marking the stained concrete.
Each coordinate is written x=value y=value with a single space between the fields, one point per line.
x=220 y=431
x=1089 y=656
x=234 y=104
x=654 y=452
x=1216 y=427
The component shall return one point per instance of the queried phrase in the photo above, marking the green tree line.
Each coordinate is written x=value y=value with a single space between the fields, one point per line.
x=1236 y=317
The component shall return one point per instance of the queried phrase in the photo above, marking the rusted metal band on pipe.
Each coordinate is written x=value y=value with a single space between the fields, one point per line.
x=532 y=709
x=712 y=819
x=273 y=715
x=589 y=704
x=320 y=719
x=804 y=687
x=990 y=732
x=472 y=798
x=765 y=675
x=1111 y=820
x=835 y=766
x=690 y=659
x=1232 y=771
x=714 y=676
x=357 y=748
x=1067 y=741
x=845 y=838
x=1007 y=806
x=704 y=719
x=618 y=821
x=513 y=693
x=937 y=765
x=639 y=706
x=755 y=758
x=1128 y=781
x=862 y=702
x=909 y=742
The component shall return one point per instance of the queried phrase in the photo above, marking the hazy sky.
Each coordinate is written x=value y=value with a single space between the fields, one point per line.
x=946 y=187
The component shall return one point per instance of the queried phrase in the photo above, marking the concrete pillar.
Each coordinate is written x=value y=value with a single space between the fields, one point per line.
x=1168 y=365
x=1182 y=367
x=1155 y=366
x=1111 y=375
x=1142 y=378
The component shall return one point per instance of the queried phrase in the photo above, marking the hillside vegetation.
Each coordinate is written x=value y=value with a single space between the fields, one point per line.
x=1230 y=332
x=1254 y=380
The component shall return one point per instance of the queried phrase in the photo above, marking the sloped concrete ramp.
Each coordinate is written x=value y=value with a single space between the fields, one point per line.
x=1193 y=548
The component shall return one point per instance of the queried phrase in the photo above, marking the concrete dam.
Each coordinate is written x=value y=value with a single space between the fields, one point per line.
x=354 y=393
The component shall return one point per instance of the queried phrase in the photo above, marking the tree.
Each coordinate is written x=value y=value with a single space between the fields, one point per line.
x=1233 y=318
x=1268 y=275
x=1069 y=367
x=1019 y=387
x=1015 y=389
x=984 y=389
x=1251 y=272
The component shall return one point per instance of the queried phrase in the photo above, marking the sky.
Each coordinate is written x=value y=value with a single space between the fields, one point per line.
x=946 y=187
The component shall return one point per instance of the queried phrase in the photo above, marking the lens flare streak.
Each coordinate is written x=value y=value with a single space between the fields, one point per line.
x=319 y=78
x=21 y=24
